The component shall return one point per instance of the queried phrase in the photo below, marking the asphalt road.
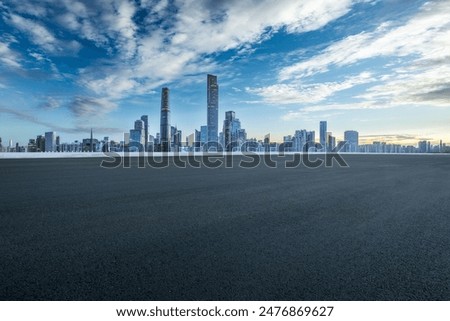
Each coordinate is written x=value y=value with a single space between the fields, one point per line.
x=377 y=230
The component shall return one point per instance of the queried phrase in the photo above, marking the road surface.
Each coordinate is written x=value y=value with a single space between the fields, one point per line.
x=376 y=230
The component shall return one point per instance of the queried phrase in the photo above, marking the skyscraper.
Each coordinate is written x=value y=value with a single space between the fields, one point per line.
x=310 y=140
x=139 y=125
x=137 y=140
x=144 y=118
x=323 y=135
x=352 y=139
x=91 y=143
x=50 y=141
x=198 y=143
x=228 y=130
x=58 y=143
x=105 y=146
x=190 y=140
x=165 y=120
x=203 y=134
x=31 y=145
x=40 y=143
x=331 y=141
x=299 y=140
x=233 y=135
x=423 y=146
x=177 y=140
x=175 y=136
x=213 y=108
x=267 y=143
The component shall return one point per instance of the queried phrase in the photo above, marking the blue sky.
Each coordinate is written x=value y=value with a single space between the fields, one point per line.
x=379 y=67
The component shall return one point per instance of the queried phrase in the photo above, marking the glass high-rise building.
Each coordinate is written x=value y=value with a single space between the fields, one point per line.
x=310 y=140
x=228 y=130
x=323 y=135
x=137 y=139
x=352 y=141
x=139 y=125
x=203 y=134
x=331 y=141
x=40 y=143
x=213 y=108
x=144 y=118
x=165 y=121
x=233 y=135
x=299 y=140
x=50 y=142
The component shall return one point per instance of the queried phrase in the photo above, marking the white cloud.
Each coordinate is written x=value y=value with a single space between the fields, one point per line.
x=295 y=93
x=9 y=57
x=197 y=28
x=429 y=85
x=29 y=8
x=84 y=22
x=177 y=45
x=41 y=36
x=30 y=117
x=173 y=39
x=304 y=112
x=426 y=35
x=50 y=103
x=120 y=26
x=38 y=56
x=115 y=84
x=418 y=73
x=221 y=25
x=91 y=106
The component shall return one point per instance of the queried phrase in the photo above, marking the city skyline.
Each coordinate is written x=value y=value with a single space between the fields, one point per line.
x=377 y=67
x=232 y=137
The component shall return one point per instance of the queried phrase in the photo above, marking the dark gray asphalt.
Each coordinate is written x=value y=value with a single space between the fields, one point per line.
x=378 y=230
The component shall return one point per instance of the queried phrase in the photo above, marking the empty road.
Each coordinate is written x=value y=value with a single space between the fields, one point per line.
x=376 y=230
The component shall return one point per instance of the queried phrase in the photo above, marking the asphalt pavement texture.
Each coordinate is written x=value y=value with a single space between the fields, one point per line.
x=376 y=230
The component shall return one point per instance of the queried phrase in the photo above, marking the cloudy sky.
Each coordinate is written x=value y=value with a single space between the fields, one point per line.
x=381 y=67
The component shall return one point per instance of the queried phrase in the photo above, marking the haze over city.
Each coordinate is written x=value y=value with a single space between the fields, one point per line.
x=378 y=67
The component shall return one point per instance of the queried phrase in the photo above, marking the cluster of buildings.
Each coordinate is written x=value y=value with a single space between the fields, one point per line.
x=169 y=138
x=422 y=147
x=208 y=138
x=50 y=142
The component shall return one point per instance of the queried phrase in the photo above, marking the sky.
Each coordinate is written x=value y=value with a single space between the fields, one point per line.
x=379 y=67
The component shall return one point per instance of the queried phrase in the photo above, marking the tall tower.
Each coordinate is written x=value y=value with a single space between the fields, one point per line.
x=165 y=120
x=228 y=130
x=323 y=135
x=50 y=142
x=144 y=118
x=213 y=108
x=137 y=135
